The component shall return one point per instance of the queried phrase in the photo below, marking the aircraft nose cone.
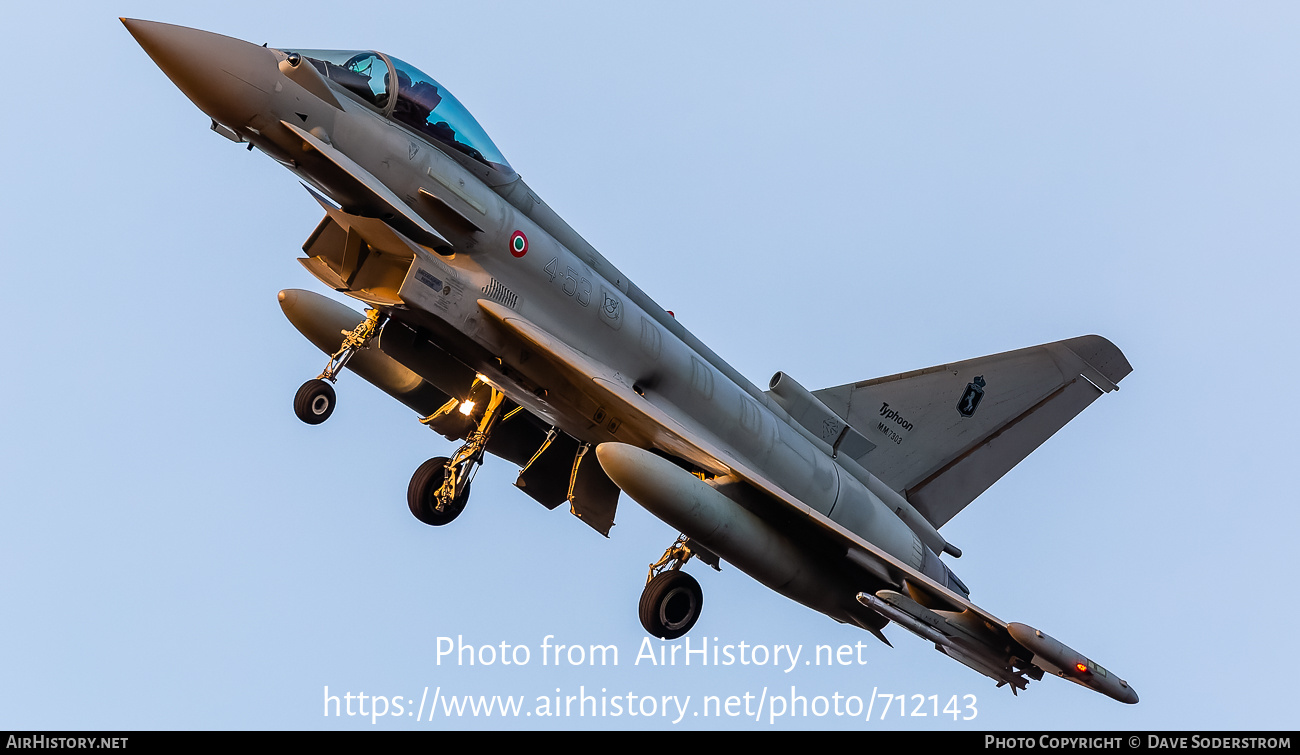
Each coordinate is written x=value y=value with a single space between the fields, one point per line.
x=229 y=79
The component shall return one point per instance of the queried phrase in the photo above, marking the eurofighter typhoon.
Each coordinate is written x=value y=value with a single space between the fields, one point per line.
x=508 y=333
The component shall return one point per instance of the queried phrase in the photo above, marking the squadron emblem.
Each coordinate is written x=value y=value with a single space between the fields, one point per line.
x=970 y=400
x=611 y=309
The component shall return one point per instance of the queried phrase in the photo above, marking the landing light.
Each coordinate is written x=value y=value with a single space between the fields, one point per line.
x=466 y=407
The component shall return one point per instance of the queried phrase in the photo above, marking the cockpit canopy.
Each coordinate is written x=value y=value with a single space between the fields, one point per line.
x=421 y=103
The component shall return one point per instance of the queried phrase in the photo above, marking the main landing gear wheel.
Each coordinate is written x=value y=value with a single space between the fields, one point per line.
x=670 y=604
x=422 y=494
x=314 y=402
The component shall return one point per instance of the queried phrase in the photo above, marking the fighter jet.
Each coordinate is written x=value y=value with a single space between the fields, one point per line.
x=505 y=331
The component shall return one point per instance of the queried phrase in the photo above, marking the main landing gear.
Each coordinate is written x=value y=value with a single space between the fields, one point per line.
x=422 y=494
x=672 y=599
x=439 y=488
x=315 y=400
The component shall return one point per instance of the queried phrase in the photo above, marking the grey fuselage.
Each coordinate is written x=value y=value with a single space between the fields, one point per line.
x=559 y=283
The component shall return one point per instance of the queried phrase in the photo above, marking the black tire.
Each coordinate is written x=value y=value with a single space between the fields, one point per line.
x=421 y=498
x=314 y=402
x=671 y=604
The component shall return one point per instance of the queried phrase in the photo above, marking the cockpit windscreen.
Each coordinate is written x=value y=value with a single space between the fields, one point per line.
x=364 y=74
x=426 y=106
x=421 y=102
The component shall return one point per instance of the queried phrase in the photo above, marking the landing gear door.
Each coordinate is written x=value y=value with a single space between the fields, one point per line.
x=592 y=495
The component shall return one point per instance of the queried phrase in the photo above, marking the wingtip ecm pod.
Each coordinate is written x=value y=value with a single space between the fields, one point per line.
x=1058 y=658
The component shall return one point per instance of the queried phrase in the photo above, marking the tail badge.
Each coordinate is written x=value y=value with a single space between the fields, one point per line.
x=970 y=400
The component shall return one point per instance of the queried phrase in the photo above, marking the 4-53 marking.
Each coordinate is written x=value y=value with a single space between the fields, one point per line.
x=573 y=284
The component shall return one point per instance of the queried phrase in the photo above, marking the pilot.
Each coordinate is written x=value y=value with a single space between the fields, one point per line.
x=442 y=132
x=425 y=94
x=415 y=102
x=445 y=134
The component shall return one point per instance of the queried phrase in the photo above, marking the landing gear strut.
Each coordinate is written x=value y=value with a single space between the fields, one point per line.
x=315 y=400
x=439 y=488
x=672 y=599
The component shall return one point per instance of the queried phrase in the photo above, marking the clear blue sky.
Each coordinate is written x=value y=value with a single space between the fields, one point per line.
x=839 y=191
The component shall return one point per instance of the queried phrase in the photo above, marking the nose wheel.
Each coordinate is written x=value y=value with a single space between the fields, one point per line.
x=315 y=400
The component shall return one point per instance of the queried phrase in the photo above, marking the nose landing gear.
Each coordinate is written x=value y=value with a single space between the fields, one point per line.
x=315 y=400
